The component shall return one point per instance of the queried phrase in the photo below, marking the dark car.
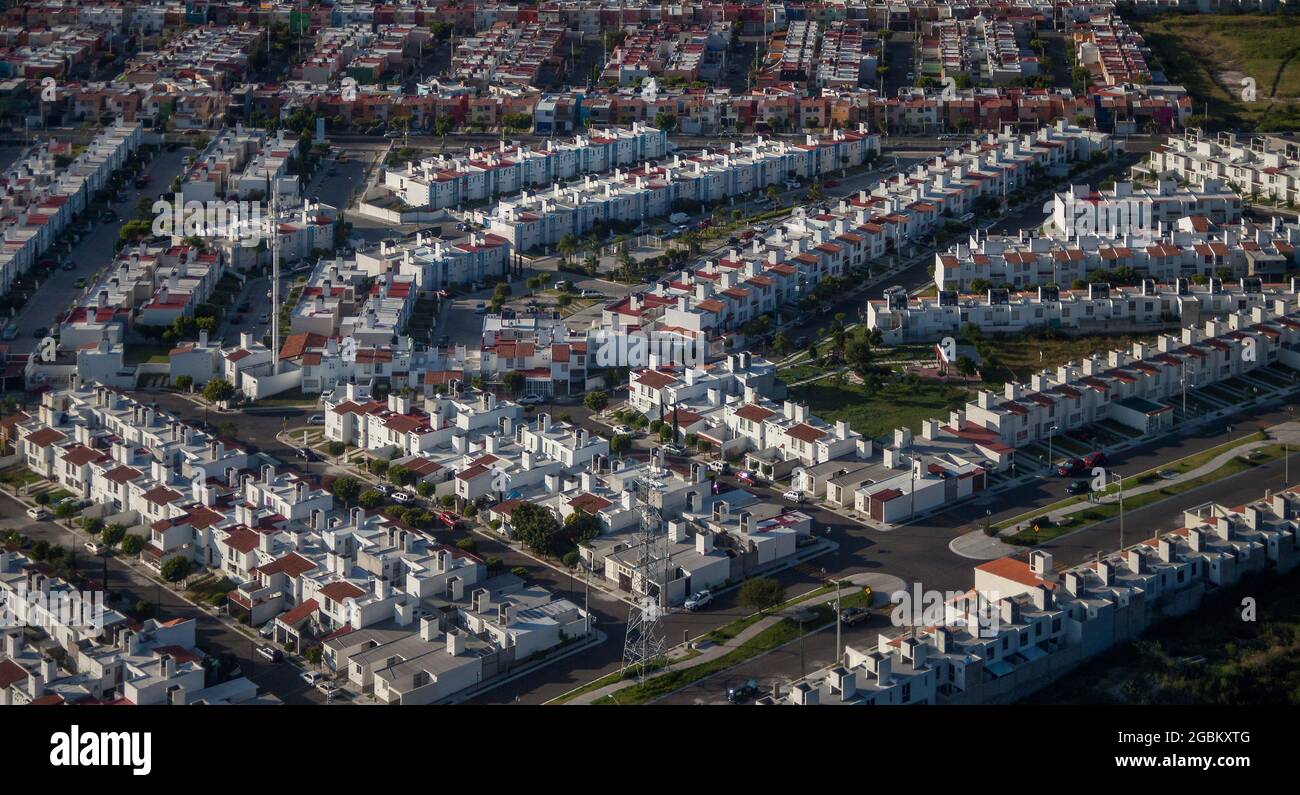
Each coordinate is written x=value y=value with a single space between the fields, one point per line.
x=1094 y=459
x=1079 y=487
x=40 y=332
x=1072 y=467
x=853 y=615
x=270 y=653
x=739 y=694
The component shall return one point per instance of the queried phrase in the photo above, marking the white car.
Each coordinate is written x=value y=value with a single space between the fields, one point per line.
x=674 y=449
x=316 y=419
x=311 y=677
x=623 y=430
x=95 y=548
x=267 y=629
x=793 y=496
x=402 y=496
x=38 y=514
x=698 y=599
x=720 y=466
x=531 y=400
x=328 y=688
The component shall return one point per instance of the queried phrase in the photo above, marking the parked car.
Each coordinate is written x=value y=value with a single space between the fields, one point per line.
x=1167 y=474
x=1071 y=467
x=674 y=449
x=10 y=332
x=316 y=419
x=1094 y=459
x=1079 y=487
x=720 y=466
x=450 y=519
x=831 y=183
x=311 y=677
x=793 y=495
x=384 y=489
x=402 y=496
x=329 y=689
x=698 y=600
x=480 y=308
x=531 y=400
x=270 y=654
x=38 y=514
x=267 y=630
x=738 y=694
x=95 y=548
x=623 y=430
x=750 y=478
x=853 y=615
x=68 y=265
x=307 y=454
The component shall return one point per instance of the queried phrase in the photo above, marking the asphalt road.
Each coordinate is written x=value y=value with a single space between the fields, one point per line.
x=91 y=254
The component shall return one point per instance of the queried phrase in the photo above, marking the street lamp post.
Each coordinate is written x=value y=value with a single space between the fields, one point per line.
x=1115 y=476
x=1051 y=431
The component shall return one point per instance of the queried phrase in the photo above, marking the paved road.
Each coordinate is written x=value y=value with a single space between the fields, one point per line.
x=92 y=254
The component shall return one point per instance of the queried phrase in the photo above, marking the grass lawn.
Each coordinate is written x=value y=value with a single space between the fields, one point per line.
x=1209 y=55
x=1098 y=513
x=18 y=476
x=896 y=404
x=146 y=352
x=1028 y=355
x=777 y=635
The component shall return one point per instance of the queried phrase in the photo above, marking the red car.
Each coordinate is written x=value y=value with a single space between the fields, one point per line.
x=450 y=519
x=832 y=183
x=1093 y=459
x=1072 y=467
x=750 y=478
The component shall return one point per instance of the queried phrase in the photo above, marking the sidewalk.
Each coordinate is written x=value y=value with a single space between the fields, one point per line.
x=979 y=546
x=881 y=584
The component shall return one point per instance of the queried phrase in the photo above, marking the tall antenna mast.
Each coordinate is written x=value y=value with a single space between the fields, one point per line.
x=275 y=274
x=644 y=641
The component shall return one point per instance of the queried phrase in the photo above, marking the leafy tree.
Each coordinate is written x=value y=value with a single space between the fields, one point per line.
x=761 y=594
x=132 y=545
x=176 y=568
x=217 y=390
x=620 y=443
x=92 y=525
x=113 y=535
x=425 y=489
x=370 y=499
x=596 y=400
x=399 y=475
x=513 y=382
x=346 y=489
x=582 y=526
x=184 y=382
x=535 y=526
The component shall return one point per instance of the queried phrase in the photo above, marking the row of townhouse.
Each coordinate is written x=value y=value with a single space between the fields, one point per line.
x=398 y=425
x=160 y=478
x=305 y=229
x=106 y=660
x=218 y=55
x=541 y=220
x=730 y=409
x=1099 y=309
x=1165 y=234
x=41 y=197
x=482 y=175
x=1135 y=387
x=1024 y=624
x=511 y=54
x=435 y=264
x=1263 y=166
x=1111 y=51
x=246 y=164
x=779 y=266
x=337 y=303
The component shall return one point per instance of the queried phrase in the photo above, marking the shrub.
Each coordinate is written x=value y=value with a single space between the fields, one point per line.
x=467 y=544
x=520 y=572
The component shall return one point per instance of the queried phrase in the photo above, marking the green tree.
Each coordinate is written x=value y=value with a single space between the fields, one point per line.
x=217 y=390
x=620 y=443
x=596 y=400
x=370 y=499
x=535 y=526
x=582 y=526
x=761 y=594
x=113 y=535
x=175 y=568
x=513 y=382
x=346 y=489
x=184 y=382
x=132 y=545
